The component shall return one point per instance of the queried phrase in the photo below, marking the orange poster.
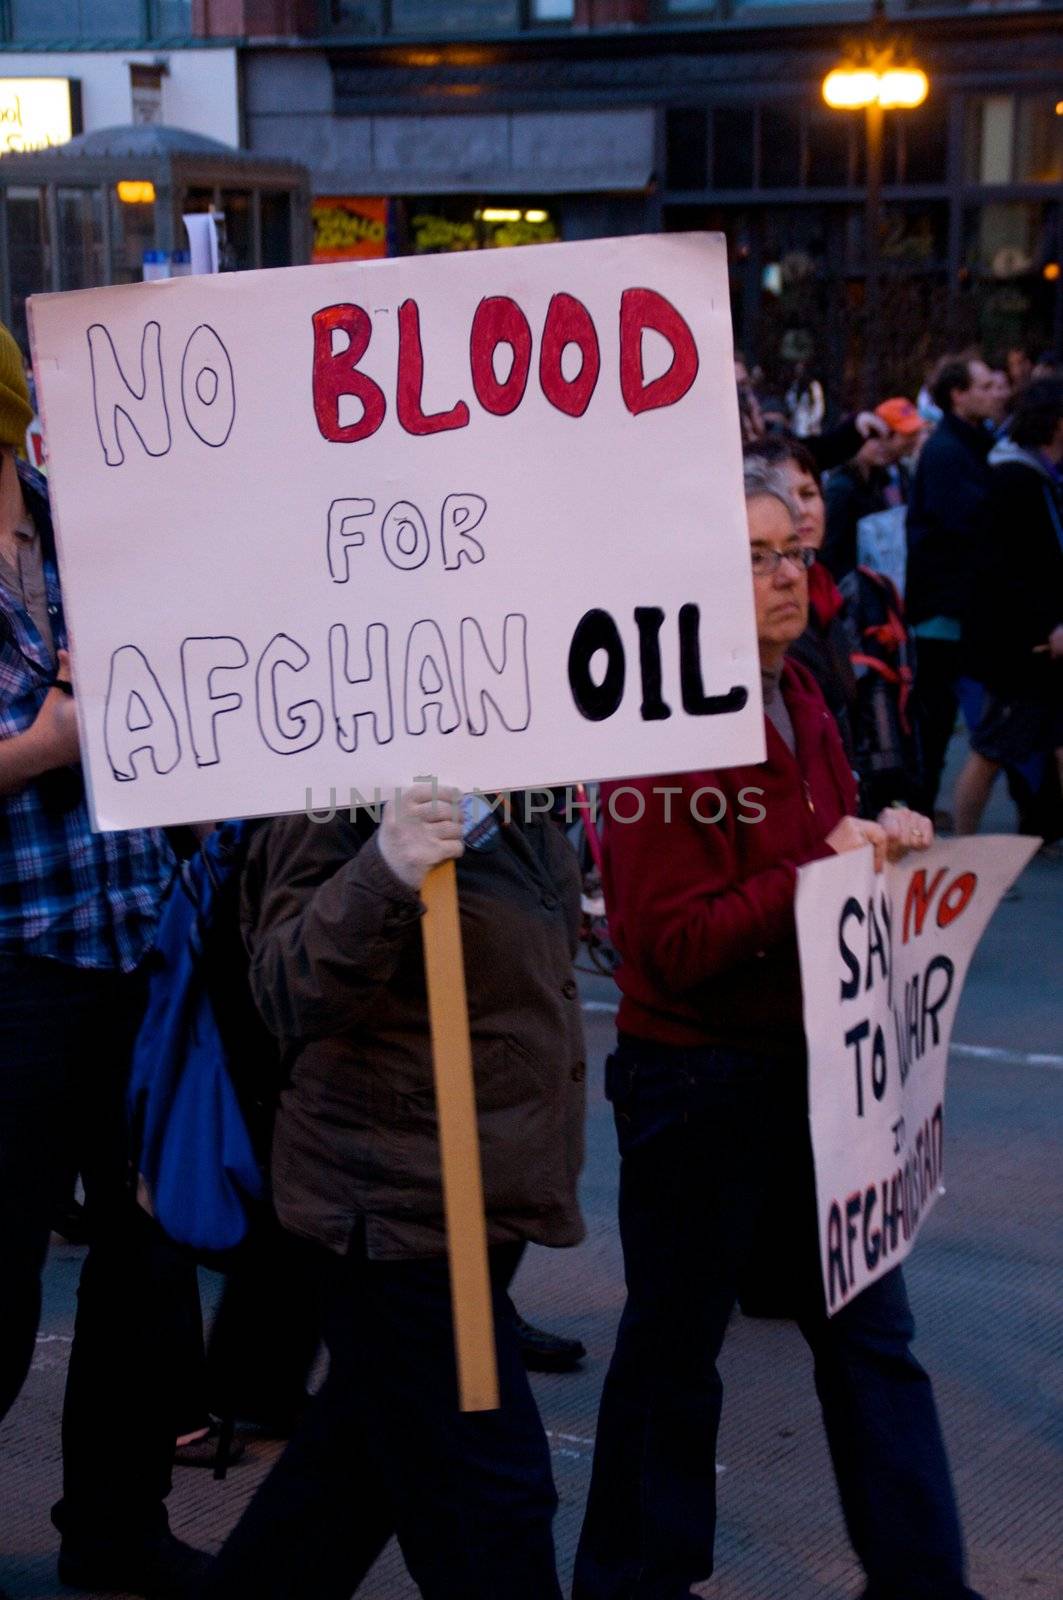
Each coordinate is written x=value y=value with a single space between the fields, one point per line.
x=348 y=228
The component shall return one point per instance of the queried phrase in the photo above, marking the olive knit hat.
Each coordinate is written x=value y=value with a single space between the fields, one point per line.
x=16 y=413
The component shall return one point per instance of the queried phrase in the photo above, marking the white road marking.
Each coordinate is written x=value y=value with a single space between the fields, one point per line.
x=1011 y=1058
x=970 y=1052
x=588 y=1444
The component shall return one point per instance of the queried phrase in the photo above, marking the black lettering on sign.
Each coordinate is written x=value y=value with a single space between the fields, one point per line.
x=852 y=1211
x=114 y=396
x=872 y=1236
x=460 y=515
x=200 y=660
x=429 y=681
x=137 y=717
x=932 y=1003
x=361 y=694
x=648 y=620
x=855 y=1038
x=208 y=389
x=286 y=726
x=696 y=703
x=343 y=536
x=506 y=687
x=837 y=1283
x=596 y=631
x=850 y=985
x=405 y=536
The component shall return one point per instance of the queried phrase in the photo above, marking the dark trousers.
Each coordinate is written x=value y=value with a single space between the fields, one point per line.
x=935 y=704
x=264 y=1338
x=65 y=1041
x=384 y=1450
x=716 y=1167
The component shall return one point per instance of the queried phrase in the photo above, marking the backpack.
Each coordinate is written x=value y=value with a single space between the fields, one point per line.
x=882 y=652
x=201 y=1089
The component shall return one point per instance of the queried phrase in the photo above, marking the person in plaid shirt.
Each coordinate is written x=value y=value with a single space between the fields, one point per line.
x=77 y=917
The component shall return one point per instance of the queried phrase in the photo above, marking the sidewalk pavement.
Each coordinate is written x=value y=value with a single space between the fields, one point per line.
x=986 y=1282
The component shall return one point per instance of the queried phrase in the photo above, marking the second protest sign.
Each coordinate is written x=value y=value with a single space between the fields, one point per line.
x=883 y=961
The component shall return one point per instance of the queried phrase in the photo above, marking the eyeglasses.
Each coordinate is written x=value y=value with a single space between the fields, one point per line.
x=766 y=562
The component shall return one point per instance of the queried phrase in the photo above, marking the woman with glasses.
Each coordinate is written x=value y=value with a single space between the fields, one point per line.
x=708 y=1085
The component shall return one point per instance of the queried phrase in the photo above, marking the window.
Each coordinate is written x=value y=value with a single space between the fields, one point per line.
x=1039 y=140
x=924 y=145
x=454 y=16
x=990 y=136
x=1007 y=241
x=1014 y=139
x=733 y=147
x=686 y=142
x=79 y=214
x=171 y=19
x=744 y=4
x=830 y=135
x=98 y=21
x=29 y=255
x=780 y=147
x=40 y=21
x=552 y=10
x=132 y=232
x=354 y=17
x=275 y=212
x=238 y=250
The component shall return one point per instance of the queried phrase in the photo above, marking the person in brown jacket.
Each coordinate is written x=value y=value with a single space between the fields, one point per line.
x=332 y=922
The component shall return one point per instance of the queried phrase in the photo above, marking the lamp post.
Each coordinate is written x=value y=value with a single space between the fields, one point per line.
x=875 y=79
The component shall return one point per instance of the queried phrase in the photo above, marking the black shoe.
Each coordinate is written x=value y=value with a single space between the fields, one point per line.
x=547 y=1352
x=68 y=1221
x=165 y=1569
x=203 y=1452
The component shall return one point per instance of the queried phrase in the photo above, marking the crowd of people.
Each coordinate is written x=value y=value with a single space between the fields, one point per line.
x=937 y=588
x=861 y=685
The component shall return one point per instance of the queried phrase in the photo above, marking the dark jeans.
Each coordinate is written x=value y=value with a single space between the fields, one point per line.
x=716 y=1164
x=264 y=1339
x=384 y=1449
x=935 y=702
x=65 y=1041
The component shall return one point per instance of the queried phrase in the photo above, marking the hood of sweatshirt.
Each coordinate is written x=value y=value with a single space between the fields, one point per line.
x=1007 y=453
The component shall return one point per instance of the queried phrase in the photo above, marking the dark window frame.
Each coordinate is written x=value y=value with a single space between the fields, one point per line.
x=148 y=31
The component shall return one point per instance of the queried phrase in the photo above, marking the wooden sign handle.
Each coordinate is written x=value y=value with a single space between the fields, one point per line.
x=463 y=1197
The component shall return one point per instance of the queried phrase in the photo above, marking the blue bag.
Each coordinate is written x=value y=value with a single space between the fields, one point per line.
x=197 y=1169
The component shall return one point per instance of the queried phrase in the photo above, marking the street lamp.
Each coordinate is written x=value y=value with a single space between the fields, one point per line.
x=875 y=79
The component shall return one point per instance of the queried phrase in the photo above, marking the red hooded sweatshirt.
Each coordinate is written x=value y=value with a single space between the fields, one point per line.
x=702 y=912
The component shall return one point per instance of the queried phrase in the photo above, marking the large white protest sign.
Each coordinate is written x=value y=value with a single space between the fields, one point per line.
x=474 y=516
x=883 y=961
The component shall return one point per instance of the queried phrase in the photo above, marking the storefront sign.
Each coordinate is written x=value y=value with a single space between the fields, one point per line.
x=35 y=113
x=348 y=229
x=485 y=228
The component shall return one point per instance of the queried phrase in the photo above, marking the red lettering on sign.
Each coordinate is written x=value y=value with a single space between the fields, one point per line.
x=918 y=899
x=499 y=320
x=569 y=322
x=641 y=309
x=336 y=375
x=411 y=381
x=956 y=899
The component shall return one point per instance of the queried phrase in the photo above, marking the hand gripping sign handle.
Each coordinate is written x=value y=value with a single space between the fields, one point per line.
x=463 y=1198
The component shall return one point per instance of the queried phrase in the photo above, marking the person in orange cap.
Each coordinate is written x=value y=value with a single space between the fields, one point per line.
x=870 y=483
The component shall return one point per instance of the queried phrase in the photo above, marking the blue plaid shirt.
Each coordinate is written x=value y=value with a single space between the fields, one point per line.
x=83 y=898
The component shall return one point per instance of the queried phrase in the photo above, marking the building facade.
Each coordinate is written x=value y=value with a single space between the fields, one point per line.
x=116 y=119
x=450 y=124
